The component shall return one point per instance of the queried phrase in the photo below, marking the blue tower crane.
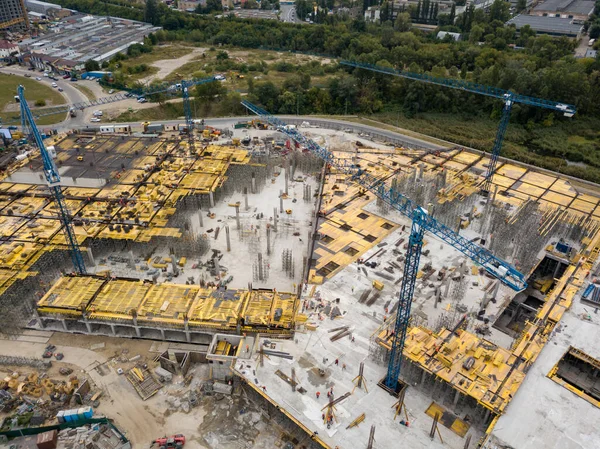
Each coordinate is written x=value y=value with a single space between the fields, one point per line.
x=421 y=222
x=509 y=99
x=53 y=180
x=166 y=87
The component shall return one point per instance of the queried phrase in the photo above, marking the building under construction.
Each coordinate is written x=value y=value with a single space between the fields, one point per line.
x=301 y=266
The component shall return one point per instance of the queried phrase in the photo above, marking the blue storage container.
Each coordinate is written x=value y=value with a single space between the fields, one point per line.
x=60 y=416
x=88 y=412
x=68 y=415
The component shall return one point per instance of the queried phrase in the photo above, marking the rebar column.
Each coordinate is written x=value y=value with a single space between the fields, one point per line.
x=246 y=197
x=91 y=256
x=287 y=177
x=217 y=267
x=275 y=219
x=281 y=201
x=260 y=267
x=227 y=237
x=268 y=240
x=253 y=183
x=237 y=217
x=201 y=219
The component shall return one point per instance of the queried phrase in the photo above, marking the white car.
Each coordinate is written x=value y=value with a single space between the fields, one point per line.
x=141 y=100
x=37 y=78
x=98 y=113
x=54 y=85
x=95 y=120
x=219 y=77
x=110 y=91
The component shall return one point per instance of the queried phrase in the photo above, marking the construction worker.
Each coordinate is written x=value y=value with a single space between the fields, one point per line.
x=337 y=361
x=343 y=367
x=318 y=394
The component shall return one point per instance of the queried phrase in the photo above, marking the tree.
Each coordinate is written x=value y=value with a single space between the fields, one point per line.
x=476 y=34
x=250 y=4
x=434 y=11
x=211 y=5
x=521 y=5
x=418 y=12
x=151 y=14
x=403 y=22
x=91 y=65
x=452 y=13
x=302 y=9
x=209 y=92
x=425 y=10
x=222 y=55
x=594 y=31
x=499 y=11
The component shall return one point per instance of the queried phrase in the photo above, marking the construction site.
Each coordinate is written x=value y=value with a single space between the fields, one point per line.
x=339 y=287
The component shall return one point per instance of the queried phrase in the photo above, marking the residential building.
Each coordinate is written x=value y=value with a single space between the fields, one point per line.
x=13 y=15
x=554 y=26
x=372 y=14
x=8 y=50
x=41 y=7
x=190 y=5
x=578 y=10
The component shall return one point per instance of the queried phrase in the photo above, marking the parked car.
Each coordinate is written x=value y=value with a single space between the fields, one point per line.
x=73 y=79
x=111 y=91
x=46 y=74
x=60 y=89
x=27 y=75
x=37 y=78
x=31 y=69
x=66 y=77
x=12 y=128
x=97 y=113
x=141 y=100
x=94 y=119
x=54 y=85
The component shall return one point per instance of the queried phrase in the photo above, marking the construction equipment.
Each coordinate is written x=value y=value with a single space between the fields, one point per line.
x=356 y=422
x=509 y=98
x=53 y=180
x=421 y=221
x=174 y=441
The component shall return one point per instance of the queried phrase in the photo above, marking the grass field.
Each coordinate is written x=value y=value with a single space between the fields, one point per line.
x=34 y=91
x=85 y=91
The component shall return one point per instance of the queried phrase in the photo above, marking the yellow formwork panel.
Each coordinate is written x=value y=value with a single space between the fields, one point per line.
x=563 y=186
x=70 y=293
x=473 y=366
x=118 y=299
x=511 y=171
x=168 y=303
x=557 y=198
x=539 y=179
x=454 y=166
x=214 y=308
x=269 y=308
x=582 y=206
x=528 y=189
x=464 y=157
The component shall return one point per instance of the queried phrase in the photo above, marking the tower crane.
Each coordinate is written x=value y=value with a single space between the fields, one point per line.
x=166 y=87
x=50 y=169
x=421 y=222
x=508 y=98
x=53 y=181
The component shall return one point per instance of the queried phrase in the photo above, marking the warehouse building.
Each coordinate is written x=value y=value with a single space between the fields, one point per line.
x=554 y=26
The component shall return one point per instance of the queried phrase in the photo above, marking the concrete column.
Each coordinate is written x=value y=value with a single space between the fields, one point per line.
x=237 y=217
x=88 y=326
x=438 y=296
x=486 y=415
x=275 y=219
x=201 y=218
x=211 y=198
x=188 y=337
x=495 y=192
x=260 y=267
x=421 y=167
x=281 y=201
x=162 y=334
x=112 y=329
x=253 y=183
x=91 y=256
x=423 y=376
x=496 y=289
x=227 y=237
x=473 y=213
x=287 y=177
x=556 y=270
x=64 y=324
x=246 y=197
x=447 y=289
x=456 y=397
x=138 y=332
x=268 y=240
x=217 y=267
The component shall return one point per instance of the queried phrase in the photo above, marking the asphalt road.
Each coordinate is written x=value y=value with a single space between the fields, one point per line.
x=288 y=13
x=71 y=94
x=228 y=122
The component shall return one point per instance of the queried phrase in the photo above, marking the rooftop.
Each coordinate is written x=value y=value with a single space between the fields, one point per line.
x=551 y=25
x=566 y=6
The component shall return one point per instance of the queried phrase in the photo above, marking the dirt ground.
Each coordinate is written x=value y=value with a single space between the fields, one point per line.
x=217 y=421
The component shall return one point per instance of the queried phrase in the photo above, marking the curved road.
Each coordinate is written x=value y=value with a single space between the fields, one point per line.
x=71 y=94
